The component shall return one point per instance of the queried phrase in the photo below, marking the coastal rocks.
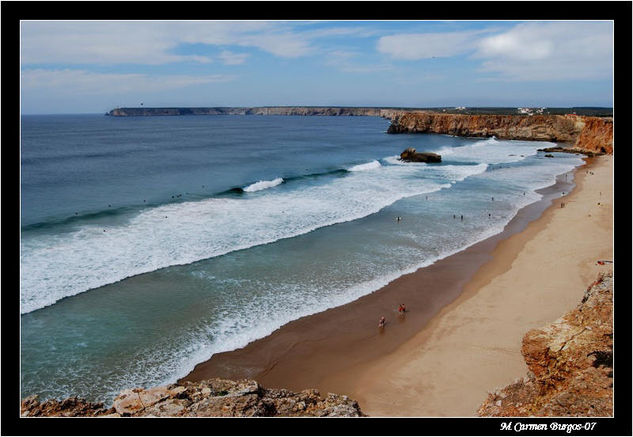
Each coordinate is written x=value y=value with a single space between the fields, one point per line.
x=587 y=134
x=570 y=364
x=71 y=407
x=573 y=150
x=410 y=155
x=210 y=398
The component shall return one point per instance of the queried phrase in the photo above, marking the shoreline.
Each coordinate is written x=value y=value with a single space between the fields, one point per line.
x=330 y=350
x=474 y=345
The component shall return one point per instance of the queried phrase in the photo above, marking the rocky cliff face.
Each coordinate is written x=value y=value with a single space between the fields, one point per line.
x=210 y=398
x=593 y=134
x=539 y=127
x=570 y=364
x=596 y=135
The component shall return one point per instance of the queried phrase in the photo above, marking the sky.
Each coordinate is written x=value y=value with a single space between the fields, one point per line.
x=95 y=66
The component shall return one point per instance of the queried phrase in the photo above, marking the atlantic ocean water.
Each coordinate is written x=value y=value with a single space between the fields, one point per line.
x=150 y=243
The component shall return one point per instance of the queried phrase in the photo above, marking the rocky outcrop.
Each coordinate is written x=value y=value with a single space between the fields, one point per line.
x=570 y=364
x=587 y=134
x=410 y=155
x=71 y=407
x=210 y=398
x=573 y=150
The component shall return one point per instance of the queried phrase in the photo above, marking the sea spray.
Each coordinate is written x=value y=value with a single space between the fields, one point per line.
x=262 y=185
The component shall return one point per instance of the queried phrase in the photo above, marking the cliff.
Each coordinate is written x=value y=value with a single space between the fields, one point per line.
x=592 y=134
x=260 y=110
x=596 y=135
x=587 y=134
x=570 y=364
x=211 y=398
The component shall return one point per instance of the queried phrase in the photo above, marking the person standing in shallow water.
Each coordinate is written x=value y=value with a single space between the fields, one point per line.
x=381 y=322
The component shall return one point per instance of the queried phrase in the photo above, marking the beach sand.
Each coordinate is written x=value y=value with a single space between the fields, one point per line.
x=473 y=345
x=467 y=315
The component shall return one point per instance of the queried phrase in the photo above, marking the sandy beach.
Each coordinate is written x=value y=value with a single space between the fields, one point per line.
x=473 y=345
x=450 y=348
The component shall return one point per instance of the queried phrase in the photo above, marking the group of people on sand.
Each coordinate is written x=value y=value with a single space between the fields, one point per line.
x=401 y=310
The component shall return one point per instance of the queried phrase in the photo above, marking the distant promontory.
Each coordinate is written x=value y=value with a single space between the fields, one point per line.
x=589 y=130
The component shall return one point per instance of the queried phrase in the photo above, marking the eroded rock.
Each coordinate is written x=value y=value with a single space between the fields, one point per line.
x=570 y=364
x=210 y=398
x=410 y=155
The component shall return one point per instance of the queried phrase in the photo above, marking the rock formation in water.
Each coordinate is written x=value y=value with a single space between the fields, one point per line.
x=587 y=134
x=210 y=398
x=410 y=155
x=570 y=364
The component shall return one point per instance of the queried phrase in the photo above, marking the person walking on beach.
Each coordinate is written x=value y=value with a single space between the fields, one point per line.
x=402 y=308
x=381 y=322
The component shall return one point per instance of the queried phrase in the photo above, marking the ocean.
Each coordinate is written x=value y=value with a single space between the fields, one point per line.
x=149 y=244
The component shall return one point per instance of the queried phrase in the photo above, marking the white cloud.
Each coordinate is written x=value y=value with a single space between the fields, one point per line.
x=343 y=60
x=553 y=50
x=230 y=58
x=83 y=82
x=415 y=46
x=150 y=42
x=549 y=51
x=285 y=45
x=99 y=43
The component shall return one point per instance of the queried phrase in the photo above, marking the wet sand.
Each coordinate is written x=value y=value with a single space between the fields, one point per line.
x=397 y=371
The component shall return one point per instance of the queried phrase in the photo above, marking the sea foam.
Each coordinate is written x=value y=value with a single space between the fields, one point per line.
x=367 y=166
x=262 y=185
x=60 y=265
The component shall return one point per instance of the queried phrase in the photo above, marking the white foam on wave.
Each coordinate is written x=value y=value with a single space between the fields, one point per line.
x=493 y=151
x=367 y=166
x=395 y=160
x=61 y=265
x=235 y=333
x=262 y=185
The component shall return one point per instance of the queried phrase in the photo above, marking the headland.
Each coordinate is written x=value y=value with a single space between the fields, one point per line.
x=581 y=129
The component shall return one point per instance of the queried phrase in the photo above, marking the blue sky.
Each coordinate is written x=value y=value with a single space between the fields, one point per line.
x=94 y=66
